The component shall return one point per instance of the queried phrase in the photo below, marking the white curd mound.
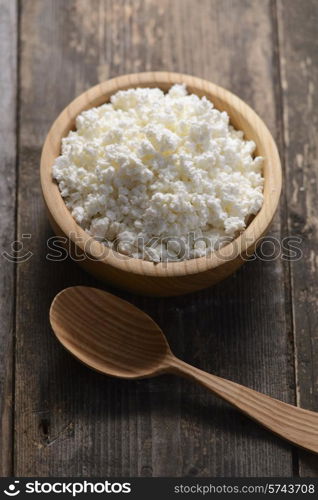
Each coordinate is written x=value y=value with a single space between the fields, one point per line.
x=159 y=176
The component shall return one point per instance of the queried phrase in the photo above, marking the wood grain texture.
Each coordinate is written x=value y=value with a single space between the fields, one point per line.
x=70 y=421
x=298 y=29
x=113 y=337
x=8 y=90
x=164 y=278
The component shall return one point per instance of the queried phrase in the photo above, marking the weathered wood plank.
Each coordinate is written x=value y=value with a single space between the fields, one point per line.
x=8 y=92
x=70 y=421
x=298 y=29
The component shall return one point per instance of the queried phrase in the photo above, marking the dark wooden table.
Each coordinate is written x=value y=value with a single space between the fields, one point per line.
x=258 y=328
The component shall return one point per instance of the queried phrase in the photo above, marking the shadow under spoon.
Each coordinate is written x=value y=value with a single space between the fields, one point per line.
x=116 y=338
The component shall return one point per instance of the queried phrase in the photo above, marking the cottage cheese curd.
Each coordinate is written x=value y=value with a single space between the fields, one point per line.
x=159 y=176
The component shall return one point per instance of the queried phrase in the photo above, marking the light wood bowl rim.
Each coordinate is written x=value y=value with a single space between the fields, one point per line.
x=223 y=99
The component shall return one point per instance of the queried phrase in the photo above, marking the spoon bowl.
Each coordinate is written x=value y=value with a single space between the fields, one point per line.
x=108 y=334
x=116 y=338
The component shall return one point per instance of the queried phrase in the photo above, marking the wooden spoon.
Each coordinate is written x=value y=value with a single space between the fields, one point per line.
x=116 y=338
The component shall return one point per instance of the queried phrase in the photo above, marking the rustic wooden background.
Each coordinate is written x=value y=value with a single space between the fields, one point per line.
x=258 y=328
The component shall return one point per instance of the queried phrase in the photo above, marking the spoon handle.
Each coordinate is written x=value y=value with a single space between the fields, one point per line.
x=295 y=424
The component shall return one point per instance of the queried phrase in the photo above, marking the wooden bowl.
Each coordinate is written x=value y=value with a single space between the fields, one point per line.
x=172 y=278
